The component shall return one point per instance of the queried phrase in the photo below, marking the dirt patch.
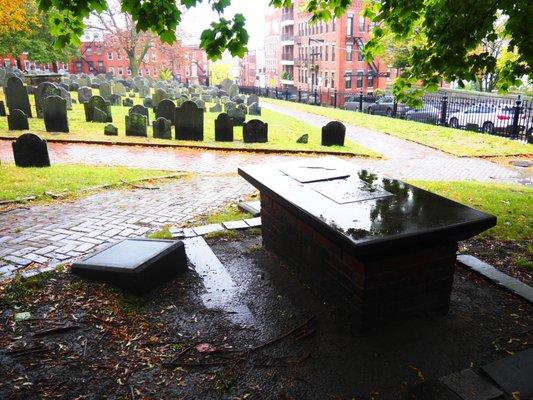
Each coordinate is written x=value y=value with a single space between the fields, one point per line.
x=87 y=340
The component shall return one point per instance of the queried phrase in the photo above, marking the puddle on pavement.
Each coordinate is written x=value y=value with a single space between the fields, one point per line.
x=221 y=290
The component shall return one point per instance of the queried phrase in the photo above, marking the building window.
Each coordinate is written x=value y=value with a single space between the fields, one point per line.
x=333 y=52
x=147 y=71
x=361 y=23
x=326 y=53
x=333 y=80
x=348 y=80
x=370 y=80
x=119 y=55
x=360 y=79
x=155 y=71
x=91 y=65
x=140 y=72
x=333 y=24
x=359 y=54
x=129 y=71
x=78 y=67
x=109 y=55
x=349 y=52
x=325 y=79
x=111 y=70
x=349 y=25
x=120 y=71
x=101 y=68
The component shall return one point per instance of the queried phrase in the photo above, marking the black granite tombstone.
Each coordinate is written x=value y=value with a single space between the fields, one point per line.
x=223 y=128
x=110 y=130
x=2 y=109
x=136 y=265
x=255 y=131
x=55 y=114
x=142 y=110
x=136 y=125
x=44 y=90
x=17 y=96
x=17 y=120
x=165 y=109
x=189 y=122
x=29 y=150
x=254 y=109
x=333 y=134
x=162 y=128
x=84 y=94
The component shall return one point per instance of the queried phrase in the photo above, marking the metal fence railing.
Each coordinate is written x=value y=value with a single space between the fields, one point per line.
x=503 y=116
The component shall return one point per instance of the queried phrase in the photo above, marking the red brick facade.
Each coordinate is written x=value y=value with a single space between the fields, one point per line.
x=323 y=56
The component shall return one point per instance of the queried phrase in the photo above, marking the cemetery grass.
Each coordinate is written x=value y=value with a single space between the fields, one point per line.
x=457 y=142
x=509 y=245
x=18 y=182
x=283 y=131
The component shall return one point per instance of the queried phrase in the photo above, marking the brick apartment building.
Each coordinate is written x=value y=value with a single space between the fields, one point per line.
x=98 y=57
x=248 y=70
x=325 y=56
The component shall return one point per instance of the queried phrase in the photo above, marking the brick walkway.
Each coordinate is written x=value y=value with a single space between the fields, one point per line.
x=42 y=236
x=408 y=160
x=47 y=235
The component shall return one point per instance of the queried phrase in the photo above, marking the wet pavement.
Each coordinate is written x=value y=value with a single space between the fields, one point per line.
x=296 y=344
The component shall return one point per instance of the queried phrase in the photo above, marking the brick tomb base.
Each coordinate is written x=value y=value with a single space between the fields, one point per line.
x=379 y=287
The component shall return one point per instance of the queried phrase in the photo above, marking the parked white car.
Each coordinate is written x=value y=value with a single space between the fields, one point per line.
x=489 y=118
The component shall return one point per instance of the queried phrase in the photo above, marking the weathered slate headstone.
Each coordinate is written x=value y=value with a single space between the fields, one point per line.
x=303 y=139
x=159 y=94
x=144 y=91
x=223 y=128
x=2 y=109
x=118 y=88
x=216 y=108
x=252 y=99
x=165 y=109
x=115 y=99
x=73 y=87
x=17 y=96
x=105 y=90
x=162 y=128
x=333 y=134
x=29 y=150
x=148 y=103
x=254 y=109
x=138 y=109
x=225 y=84
x=110 y=130
x=55 y=114
x=17 y=120
x=99 y=115
x=97 y=102
x=135 y=125
x=68 y=98
x=189 y=122
x=237 y=116
x=200 y=103
x=228 y=105
x=84 y=94
x=127 y=102
x=255 y=131
x=44 y=90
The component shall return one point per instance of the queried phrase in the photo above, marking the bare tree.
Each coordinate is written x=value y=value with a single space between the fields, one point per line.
x=119 y=33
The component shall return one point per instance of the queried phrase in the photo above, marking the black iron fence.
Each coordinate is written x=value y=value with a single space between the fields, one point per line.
x=503 y=116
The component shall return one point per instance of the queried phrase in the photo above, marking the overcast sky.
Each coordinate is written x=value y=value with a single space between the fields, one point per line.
x=199 y=18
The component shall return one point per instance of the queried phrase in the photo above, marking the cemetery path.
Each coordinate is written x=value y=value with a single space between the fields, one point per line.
x=43 y=236
x=409 y=160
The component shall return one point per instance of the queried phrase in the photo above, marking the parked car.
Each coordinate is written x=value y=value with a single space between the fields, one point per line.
x=385 y=106
x=489 y=118
x=352 y=103
x=428 y=113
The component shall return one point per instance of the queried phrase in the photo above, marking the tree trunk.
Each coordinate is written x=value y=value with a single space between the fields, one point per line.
x=134 y=66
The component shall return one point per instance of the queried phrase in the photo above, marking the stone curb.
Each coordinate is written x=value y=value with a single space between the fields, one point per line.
x=180 y=233
x=487 y=271
x=197 y=147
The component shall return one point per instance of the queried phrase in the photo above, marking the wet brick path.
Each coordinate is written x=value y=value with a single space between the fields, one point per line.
x=40 y=236
x=45 y=235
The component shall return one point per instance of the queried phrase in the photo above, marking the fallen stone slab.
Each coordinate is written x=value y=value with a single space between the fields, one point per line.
x=471 y=386
x=514 y=374
x=235 y=225
x=489 y=272
x=253 y=207
x=205 y=229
